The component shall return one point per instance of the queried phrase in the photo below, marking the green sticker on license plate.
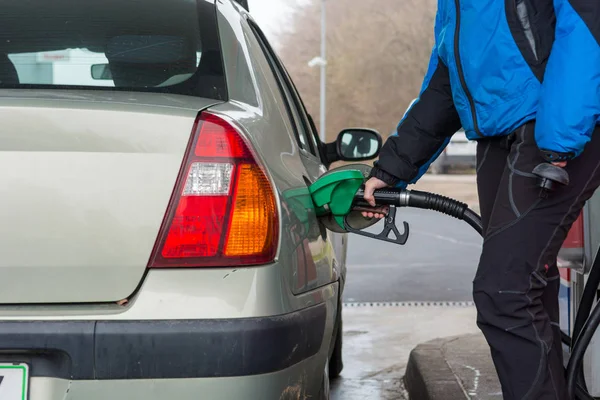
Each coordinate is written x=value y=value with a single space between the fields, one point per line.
x=14 y=381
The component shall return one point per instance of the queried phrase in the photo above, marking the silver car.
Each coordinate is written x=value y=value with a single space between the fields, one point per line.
x=157 y=236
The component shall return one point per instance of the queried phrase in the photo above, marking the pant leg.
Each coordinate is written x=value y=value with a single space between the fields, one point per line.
x=492 y=154
x=550 y=302
x=515 y=289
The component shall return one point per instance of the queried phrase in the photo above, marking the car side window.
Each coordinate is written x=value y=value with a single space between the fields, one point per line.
x=303 y=132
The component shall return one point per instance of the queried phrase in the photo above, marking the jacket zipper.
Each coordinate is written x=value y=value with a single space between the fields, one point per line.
x=460 y=70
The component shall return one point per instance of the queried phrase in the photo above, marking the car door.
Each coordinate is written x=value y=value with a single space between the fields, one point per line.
x=338 y=240
x=319 y=265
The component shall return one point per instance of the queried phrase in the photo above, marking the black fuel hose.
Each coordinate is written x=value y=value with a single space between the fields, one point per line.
x=584 y=328
x=585 y=306
x=583 y=312
x=587 y=299
x=581 y=344
x=445 y=205
x=425 y=201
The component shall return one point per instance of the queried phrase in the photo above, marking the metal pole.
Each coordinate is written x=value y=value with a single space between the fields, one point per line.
x=322 y=130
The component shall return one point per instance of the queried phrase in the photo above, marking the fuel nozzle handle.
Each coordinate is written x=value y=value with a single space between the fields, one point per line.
x=550 y=176
x=383 y=197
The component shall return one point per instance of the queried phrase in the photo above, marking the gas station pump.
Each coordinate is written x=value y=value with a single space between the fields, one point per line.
x=580 y=267
x=338 y=199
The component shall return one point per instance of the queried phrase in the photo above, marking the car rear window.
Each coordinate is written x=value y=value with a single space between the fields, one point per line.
x=164 y=46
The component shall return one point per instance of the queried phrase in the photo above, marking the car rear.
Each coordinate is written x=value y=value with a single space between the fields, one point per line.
x=140 y=231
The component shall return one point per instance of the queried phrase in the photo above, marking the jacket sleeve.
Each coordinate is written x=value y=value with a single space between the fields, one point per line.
x=570 y=97
x=423 y=132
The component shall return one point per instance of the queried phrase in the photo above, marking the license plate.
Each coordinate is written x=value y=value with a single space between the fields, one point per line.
x=14 y=381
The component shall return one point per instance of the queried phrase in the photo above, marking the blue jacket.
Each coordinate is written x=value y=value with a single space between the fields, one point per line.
x=495 y=65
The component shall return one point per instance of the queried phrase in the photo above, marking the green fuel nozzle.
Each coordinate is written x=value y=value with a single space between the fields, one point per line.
x=334 y=193
x=340 y=193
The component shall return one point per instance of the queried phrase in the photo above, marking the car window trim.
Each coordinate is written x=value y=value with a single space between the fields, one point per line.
x=283 y=82
x=316 y=140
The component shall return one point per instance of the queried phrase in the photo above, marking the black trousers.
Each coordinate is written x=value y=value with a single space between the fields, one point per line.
x=516 y=286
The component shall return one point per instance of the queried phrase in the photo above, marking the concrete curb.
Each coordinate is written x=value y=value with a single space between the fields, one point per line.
x=453 y=368
x=428 y=375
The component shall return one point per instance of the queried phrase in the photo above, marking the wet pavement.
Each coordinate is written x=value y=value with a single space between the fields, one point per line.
x=379 y=339
x=437 y=264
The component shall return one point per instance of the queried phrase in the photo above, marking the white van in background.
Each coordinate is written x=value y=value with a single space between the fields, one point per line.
x=460 y=152
x=59 y=67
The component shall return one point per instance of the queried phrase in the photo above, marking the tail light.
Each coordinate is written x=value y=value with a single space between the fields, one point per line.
x=223 y=211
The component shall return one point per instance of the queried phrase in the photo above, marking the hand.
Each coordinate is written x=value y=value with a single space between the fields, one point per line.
x=561 y=164
x=371 y=186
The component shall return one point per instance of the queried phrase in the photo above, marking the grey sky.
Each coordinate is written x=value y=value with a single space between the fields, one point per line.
x=273 y=15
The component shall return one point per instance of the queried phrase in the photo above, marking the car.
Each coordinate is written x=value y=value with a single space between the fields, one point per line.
x=460 y=152
x=157 y=233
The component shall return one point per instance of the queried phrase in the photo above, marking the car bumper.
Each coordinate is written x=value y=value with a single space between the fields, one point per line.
x=163 y=349
x=284 y=385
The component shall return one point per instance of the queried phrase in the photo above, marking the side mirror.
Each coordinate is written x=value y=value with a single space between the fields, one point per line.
x=101 y=72
x=358 y=144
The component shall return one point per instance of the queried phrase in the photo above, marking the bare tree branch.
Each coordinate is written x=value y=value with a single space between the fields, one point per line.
x=378 y=52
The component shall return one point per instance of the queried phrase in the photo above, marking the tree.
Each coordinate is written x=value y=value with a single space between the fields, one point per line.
x=378 y=52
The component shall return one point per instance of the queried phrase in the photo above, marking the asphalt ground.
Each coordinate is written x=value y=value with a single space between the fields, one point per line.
x=397 y=297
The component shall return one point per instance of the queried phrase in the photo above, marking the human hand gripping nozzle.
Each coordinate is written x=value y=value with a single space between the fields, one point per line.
x=338 y=197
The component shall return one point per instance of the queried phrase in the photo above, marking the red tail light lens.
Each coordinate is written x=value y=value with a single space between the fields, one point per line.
x=223 y=212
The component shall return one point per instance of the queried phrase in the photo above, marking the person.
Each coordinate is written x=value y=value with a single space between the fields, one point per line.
x=522 y=77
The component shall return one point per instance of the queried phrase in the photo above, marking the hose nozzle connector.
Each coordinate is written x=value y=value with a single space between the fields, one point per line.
x=550 y=176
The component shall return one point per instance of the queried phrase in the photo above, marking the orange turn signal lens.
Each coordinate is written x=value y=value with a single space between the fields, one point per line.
x=253 y=224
